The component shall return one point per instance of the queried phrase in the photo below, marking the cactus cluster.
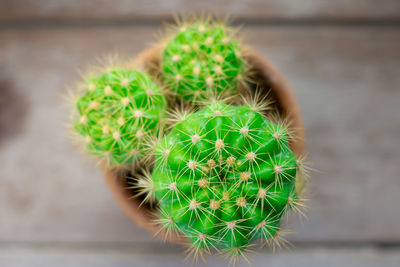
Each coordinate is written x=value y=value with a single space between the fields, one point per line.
x=222 y=175
x=203 y=58
x=118 y=110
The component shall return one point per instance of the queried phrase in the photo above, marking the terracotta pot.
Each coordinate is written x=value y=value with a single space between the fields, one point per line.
x=267 y=75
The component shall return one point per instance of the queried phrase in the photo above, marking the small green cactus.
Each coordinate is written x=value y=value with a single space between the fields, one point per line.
x=118 y=111
x=203 y=57
x=224 y=176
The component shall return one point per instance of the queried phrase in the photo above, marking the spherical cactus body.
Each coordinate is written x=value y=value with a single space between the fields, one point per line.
x=118 y=111
x=224 y=176
x=203 y=58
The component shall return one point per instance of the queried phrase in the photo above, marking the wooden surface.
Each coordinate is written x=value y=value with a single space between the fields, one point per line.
x=55 y=208
x=249 y=10
x=128 y=256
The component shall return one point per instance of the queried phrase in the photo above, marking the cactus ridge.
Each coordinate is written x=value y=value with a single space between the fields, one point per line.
x=119 y=109
x=203 y=57
x=224 y=176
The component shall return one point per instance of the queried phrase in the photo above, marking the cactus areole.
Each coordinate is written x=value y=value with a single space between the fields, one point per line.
x=117 y=111
x=224 y=176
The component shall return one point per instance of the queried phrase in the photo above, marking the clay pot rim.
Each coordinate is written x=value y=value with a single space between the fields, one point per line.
x=285 y=98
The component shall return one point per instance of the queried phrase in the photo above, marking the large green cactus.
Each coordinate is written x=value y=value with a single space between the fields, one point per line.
x=224 y=176
x=119 y=109
x=201 y=58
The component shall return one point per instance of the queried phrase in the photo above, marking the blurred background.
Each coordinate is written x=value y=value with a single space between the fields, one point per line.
x=341 y=58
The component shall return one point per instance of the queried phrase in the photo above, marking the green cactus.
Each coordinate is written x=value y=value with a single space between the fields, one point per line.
x=224 y=176
x=201 y=58
x=118 y=111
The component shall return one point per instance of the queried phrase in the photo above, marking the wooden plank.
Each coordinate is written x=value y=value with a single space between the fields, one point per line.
x=120 y=10
x=132 y=256
x=346 y=80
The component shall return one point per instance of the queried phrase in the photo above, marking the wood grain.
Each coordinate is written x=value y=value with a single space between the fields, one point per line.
x=74 y=11
x=127 y=256
x=347 y=82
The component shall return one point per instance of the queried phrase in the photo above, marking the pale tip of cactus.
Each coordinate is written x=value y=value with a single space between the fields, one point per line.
x=125 y=82
x=202 y=29
x=116 y=135
x=205 y=169
x=149 y=92
x=138 y=113
x=176 y=58
x=83 y=119
x=139 y=134
x=214 y=205
x=261 y=193
x=196 y=71
x=244 y=130
x=106 y=129
x=166 y=153
x=211 y=163
x=278 y=169
x=230 y=161
x=226 y=196
x=217 y=113
x=194 y=204
x=261 y=225
x=218 y=69
x=91 y=87
x=192 y=165
x=172 y=187
x=231 y=225
x=225 y=40
x=251 y=156
x=125 y=101
x=203 y=183
x=244 y=176
x=209 y=81
x=120 y=121
x=195 y=138
x=88 y=139
x=209 y=40
x=185 y=48
x=195 y=46
x=241 y=202
x=94 y=105
x=219 y=58
x=219 y=144
x=277 y=135
x=108 y=91
x=178 y=77
x=202 y=237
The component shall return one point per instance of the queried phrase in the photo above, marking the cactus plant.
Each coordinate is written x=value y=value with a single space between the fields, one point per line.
x=203 y=57
x=224 y=176
x=117 y=112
